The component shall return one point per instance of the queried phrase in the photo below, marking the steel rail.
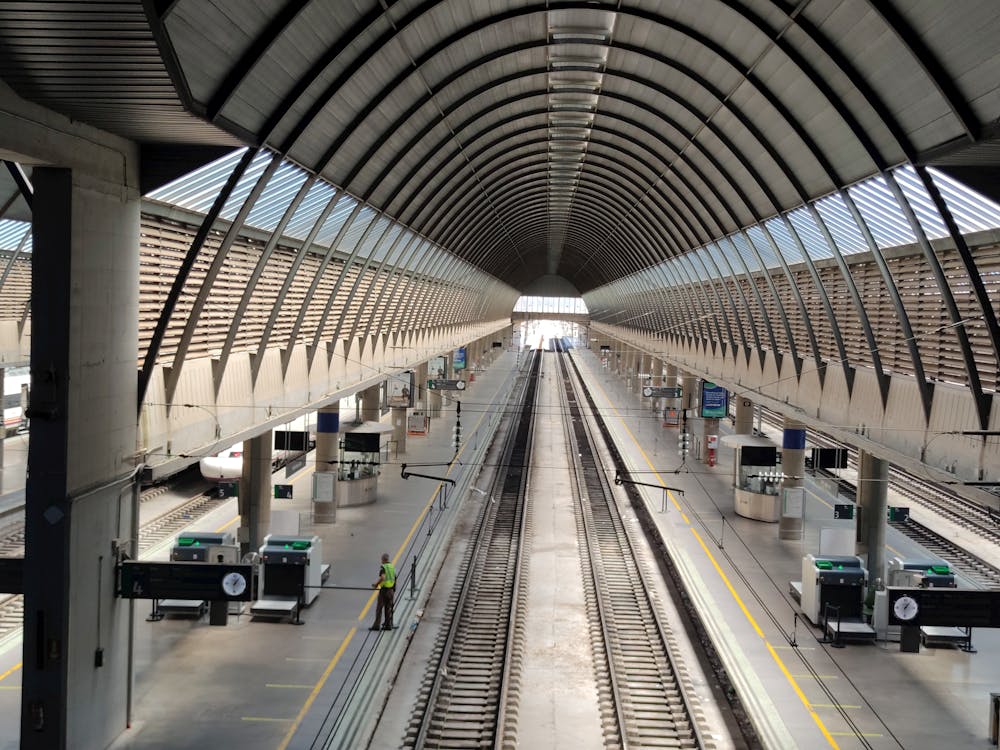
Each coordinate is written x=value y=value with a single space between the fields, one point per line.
x=645 y=679
x=463 y=699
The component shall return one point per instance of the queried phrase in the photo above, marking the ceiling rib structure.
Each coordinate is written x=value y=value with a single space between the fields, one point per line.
x=769 y=180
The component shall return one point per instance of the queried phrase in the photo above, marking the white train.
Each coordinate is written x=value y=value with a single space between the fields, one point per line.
x=13 y=414
x=225 y=465
x=228 y=464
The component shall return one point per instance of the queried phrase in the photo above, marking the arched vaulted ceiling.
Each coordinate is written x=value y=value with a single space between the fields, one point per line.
x=586 y=139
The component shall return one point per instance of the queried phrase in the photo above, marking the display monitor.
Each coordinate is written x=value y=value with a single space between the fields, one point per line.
x=758 y=455
x=361 y=442
x=291 y=440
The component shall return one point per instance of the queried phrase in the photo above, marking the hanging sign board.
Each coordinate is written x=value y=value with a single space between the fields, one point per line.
x=661 y=392
x=714 y=401
x=446 y=385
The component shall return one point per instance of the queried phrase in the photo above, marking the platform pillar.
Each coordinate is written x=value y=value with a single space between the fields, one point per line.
x=433 y=397
x=75 y=685
x=744 y=416
x=399 y=428
x=255 y=491
x=656 y=380
x=793 y=464
x=327 y=454
x=670 y=380
x=873 y=488
x=3 y=431
x=370 y=403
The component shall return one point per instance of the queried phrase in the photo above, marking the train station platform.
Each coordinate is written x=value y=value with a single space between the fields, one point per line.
x=802 y=693
x=263 y=684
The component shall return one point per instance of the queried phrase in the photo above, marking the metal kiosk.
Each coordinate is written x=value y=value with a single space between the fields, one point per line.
x=291 y=573
x=196 y=546
x=833 y=592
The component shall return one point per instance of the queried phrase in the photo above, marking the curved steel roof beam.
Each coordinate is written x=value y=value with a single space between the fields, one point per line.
x=707 y=184
x=592 y=177
x=253 y=54
x=598 y=204
x=538 y=167
x=931 y=66
x=982 y=401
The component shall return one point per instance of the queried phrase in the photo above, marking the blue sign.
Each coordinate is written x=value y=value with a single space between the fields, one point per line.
x=714 y=401
x=458 y=361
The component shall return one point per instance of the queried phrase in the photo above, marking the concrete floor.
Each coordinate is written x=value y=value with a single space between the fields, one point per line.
x=267 y=685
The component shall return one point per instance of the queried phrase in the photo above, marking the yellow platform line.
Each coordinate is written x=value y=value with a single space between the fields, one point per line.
x=315 y=691
x=290 y=687
x=371 y=598
x=10 y=671
x=725 y=579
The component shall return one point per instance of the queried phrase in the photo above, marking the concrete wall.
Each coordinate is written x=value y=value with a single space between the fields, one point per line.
x=897 y=432
x=287 y=385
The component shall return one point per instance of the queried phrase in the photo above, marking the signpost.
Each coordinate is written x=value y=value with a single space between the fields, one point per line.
x=843 y=511
x=661 y=392
x=445 y=385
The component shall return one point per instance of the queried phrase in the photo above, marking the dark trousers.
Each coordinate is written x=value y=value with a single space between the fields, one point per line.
x=384 y=604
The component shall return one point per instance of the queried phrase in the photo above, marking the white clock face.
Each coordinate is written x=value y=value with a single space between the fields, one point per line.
x=460 y=385
x=905 y=608
x=647 y=391
x=234 y=584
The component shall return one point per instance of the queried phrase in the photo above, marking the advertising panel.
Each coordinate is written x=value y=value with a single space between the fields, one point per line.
x=458 y=360
x=714 y=401
x=400 y=390
x=437 y=368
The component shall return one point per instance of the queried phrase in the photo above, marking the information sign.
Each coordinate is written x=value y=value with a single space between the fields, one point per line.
x=975 y=608
x=458 y=359
x=661 y=392
x=714 y=401
x=445 y=385
x=898 y=514
x=843 y=511
x=282 y=492
x=185 y=580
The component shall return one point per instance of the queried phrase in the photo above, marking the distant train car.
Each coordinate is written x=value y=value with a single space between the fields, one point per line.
x=297 y=439
x=225 y=465
x=16 y=380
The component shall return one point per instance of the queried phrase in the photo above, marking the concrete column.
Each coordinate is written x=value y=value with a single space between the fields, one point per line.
x=873 y=507
x=420 y=386
x=689 y=391
x=3 y=430
x=399 y=428
x=744 y=416
x=370 y=403
x=255 y=492
x=656 y=370
x=433 y=397
x=81 y=456
x=327 y=454
x=670 y=380
x=793 y=464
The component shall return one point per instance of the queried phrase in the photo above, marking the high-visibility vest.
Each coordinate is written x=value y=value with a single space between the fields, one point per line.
x=390 y=575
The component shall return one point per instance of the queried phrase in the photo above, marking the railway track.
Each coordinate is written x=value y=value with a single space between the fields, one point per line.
x=633 y=648
x=150 y=534
x=940 y=500
x=464 y=698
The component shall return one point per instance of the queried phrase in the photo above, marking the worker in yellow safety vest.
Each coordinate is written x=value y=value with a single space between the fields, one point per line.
x=386 y=585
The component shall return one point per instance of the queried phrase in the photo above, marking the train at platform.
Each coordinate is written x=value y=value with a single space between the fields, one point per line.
x=293 y=441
